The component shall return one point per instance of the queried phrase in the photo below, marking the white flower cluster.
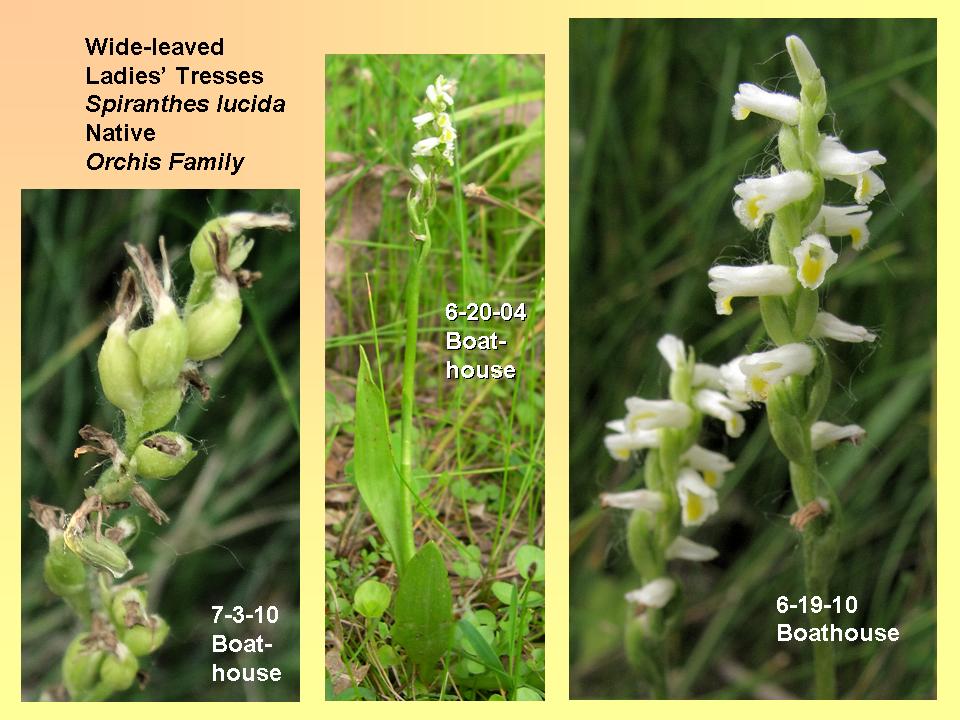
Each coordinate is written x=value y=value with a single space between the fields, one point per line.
x=441 y=136
x=759 y=197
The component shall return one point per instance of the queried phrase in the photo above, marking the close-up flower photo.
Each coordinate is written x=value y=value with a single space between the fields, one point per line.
x=753 y=224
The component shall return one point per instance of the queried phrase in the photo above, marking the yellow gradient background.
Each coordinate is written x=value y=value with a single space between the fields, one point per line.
x=42 y=145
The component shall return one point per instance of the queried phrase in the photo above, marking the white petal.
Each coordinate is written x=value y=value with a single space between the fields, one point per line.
x=814 y=256
x=778 y=106
x=823 y=434
x=655 y=593
x=672 y=350
x=634 y=500
x=832 y=327
x=683 y=548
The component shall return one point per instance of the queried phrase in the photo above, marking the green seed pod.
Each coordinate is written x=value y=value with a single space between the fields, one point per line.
x=113 y=486
x=81 y=666
x=203 y=249
x=160 y=407
x=163 y=348
x=119 y=669
x=145 y=639
x=163 y=455
x=128 y=607
x=64 y=572
x=103 y=553
x=213 y=326
x=118 y=368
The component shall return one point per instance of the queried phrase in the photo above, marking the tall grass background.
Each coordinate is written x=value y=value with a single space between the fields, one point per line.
x=234 y=532
x=478 y=462
x=654 y=157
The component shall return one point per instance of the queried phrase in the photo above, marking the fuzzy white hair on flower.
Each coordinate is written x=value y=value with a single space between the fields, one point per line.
x=621 y=445
x=651 y=414
x=824 y=434
x=760 y=196
x=753 y=99
x=843 y=220
x=730 y=281
x=424 y=148
x=711 y=465
x=765 y=369
x=716 y=404
x=655 y=594
x=683 y=548
x=831 y=327
x=814 y=257
x=649 y=500
x=698 y=501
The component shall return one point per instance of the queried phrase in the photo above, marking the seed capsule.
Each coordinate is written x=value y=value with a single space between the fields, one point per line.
x=160 y=407
x=103 y=553
x=163 y=455
x=214 y=325
x=64 y=572
x=143 y=639
x=118 y=368
x=119 y=669
x=81 y=666
x=163 y=348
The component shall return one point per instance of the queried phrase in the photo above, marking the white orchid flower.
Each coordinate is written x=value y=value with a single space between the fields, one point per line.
x=620 y=445
x=420 y=120
x=833 y=328
x=683 y=548
x=649 y=500
x=765 y=369
x=655 y=594
x=841 y=221
x=698 y=501
x=711 y=465
x=716 y=404
x=424 y=148
x=729 y=281
x=823 y=434
x=760 y=196
x=814 y=257
x=651 y=414
x=778 y=106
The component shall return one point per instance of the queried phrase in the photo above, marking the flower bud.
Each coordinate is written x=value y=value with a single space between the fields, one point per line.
x=64 y=572
x=163 y=455
x=81 y=666
x=163 y=348
x=118 y=368
x=102 y=553
x=213 y=326
x=160 y=407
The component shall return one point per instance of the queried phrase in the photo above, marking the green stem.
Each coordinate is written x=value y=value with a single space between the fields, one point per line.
x=418 y=254
x=819 y=556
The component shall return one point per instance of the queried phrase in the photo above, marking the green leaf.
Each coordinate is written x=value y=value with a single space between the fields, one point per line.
x=424 y=608
x=530 y=556
x=375 y=473
x=484 y=653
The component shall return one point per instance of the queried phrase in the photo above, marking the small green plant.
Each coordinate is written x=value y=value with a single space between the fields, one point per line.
x=147 y=372
x=449 y=472
x=792 y=379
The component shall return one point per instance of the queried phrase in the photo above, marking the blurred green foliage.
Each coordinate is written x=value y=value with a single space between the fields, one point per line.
x=654 y=157
x=234 y=532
